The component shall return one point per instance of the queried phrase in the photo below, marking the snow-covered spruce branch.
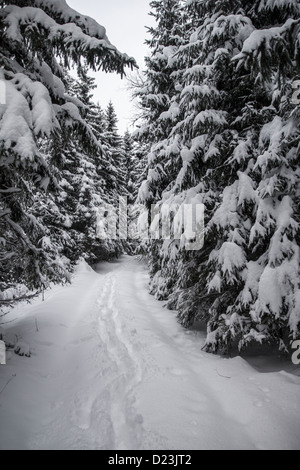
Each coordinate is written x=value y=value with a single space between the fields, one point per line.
x=24 y=23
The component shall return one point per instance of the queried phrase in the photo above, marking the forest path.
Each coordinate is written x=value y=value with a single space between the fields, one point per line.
x=112 y=369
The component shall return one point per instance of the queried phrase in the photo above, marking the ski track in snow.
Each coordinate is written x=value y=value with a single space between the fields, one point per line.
x=127 y=371
x=112 y=369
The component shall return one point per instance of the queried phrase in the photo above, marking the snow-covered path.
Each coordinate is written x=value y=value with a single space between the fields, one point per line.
x=112 y=369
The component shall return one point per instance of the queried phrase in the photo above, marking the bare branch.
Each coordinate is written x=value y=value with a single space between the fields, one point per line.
x=10 y=191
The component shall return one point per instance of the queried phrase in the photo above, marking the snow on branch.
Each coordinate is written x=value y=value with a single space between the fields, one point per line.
x=264 y=39
x=80 y=37
x=62 y=13
x=290 y=5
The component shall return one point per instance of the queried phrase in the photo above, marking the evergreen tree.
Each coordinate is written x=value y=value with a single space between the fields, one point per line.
x=158 y=86
x=255 y=262
x=135 y=163
x=37 y=126
x=236 y=132
x=130 y=167
x=157 y=98
x=88 y=177
x=113 y=148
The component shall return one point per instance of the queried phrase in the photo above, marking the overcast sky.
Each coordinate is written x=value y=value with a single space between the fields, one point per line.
x=125 y=22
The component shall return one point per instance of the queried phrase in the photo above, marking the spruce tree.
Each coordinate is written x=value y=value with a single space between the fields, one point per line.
x=88 y=176
x=130 y=167
x=157 y=99
x=255 y=263
x=236 y=131
x=113 y=147
x=37 y=124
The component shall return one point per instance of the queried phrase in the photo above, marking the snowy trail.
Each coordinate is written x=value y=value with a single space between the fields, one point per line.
x=112 y=369
x=127 y=371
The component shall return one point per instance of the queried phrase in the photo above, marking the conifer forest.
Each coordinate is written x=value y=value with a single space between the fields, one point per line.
x=150 y=278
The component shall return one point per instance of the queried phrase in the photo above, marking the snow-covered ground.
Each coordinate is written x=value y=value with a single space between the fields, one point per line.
x=112 y=369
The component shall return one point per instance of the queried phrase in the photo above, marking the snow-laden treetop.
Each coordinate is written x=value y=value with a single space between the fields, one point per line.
x=39 y=40
x=55 y=23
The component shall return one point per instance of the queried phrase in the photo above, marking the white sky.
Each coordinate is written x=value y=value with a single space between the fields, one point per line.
x=125 y=22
